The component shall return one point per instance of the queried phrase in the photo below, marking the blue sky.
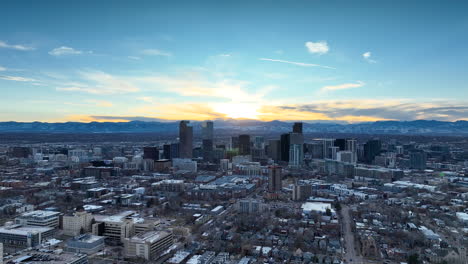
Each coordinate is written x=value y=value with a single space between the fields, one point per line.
x=290 y=60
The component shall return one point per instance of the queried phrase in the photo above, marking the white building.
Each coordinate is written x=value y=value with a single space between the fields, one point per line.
x=73 y=225
x=185 y=164
x=148 y=245
x=39 y=218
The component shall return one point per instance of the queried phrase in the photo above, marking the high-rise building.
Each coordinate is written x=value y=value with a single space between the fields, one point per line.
x=345 y=156
x=301 y=191
x=284 y=147
x=340 y=143
x=315 y=150
x=244 y=145
x=274 y=151
x=351 y=145
x=418 y=160
x=207 y=130
x=185 y=139
x=274 y=183
x=334 y=151
x=296 y=149
x=297 y=127
x=327 y=144
x=174 y=151
x=207 y=140
x=371 y=149
x=151 y=153
x=234 y=142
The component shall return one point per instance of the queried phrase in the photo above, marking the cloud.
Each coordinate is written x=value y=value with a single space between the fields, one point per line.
x=192 y=85
x=2 y=68
x=146 y=99
x=302 y=64
x=134 y=57
x=351 y=111
x=100 y=103
x=101 y=83
x=320 y=47
x=371 y=110
x=367 y=57
x=5 y=45
x=156 y=52
x=342 y=86
x=61 y=51
x=126 y=118
x=16 y=78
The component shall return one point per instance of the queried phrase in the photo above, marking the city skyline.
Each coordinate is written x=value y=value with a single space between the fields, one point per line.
x=307 y=60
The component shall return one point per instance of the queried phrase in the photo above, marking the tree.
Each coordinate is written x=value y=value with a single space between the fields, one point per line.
x=338 y=206
x=413 y=259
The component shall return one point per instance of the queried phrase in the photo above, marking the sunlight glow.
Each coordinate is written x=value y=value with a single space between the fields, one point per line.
x=238 y=110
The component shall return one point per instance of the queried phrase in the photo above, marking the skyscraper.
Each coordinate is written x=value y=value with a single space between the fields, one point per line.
x=151 y=153
x=274 y=179
x=185 y=139
x=244 y=144
x=207 y=130
x=274 y=149
x=207 y=140
x=371 y=149
x=340 y=143
x=418 y=160
x=284 y=147
x=234 y=142
x=297 y=127
x=327 y=144
x=351 y=146
x=296 y=149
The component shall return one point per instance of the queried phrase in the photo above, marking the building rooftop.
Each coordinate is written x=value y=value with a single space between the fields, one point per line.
x=35 y=256
x=39 y=214
x=150 y=237
x=24 y=230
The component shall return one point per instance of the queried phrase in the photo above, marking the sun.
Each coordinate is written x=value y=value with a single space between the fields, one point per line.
x=238 y=110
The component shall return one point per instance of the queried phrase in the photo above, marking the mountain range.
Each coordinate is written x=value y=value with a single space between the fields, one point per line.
x=379 y=127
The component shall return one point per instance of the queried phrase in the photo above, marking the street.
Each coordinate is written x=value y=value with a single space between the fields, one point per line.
x=350 y=255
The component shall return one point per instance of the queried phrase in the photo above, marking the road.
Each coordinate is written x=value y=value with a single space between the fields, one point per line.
x=350 y=255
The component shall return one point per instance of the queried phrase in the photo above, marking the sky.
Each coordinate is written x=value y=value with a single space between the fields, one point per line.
x=346 y=61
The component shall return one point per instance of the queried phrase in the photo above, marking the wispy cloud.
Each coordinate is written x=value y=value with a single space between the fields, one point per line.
x=320 y=47
x=3 y=68
x=62 y=51
x=367 y=57
x=195 y=86
x=16 y=78
x=342 y=86
x=134 y=57
x=100 y=103
x=146 y=99
x=156 y=52
x=371 y=110
x=101 y=83
x=5 y=45
x=302 y=64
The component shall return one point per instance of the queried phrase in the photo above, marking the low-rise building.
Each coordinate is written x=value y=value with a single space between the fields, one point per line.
x=86 y=243
x=39 y=218
x=148 y=245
